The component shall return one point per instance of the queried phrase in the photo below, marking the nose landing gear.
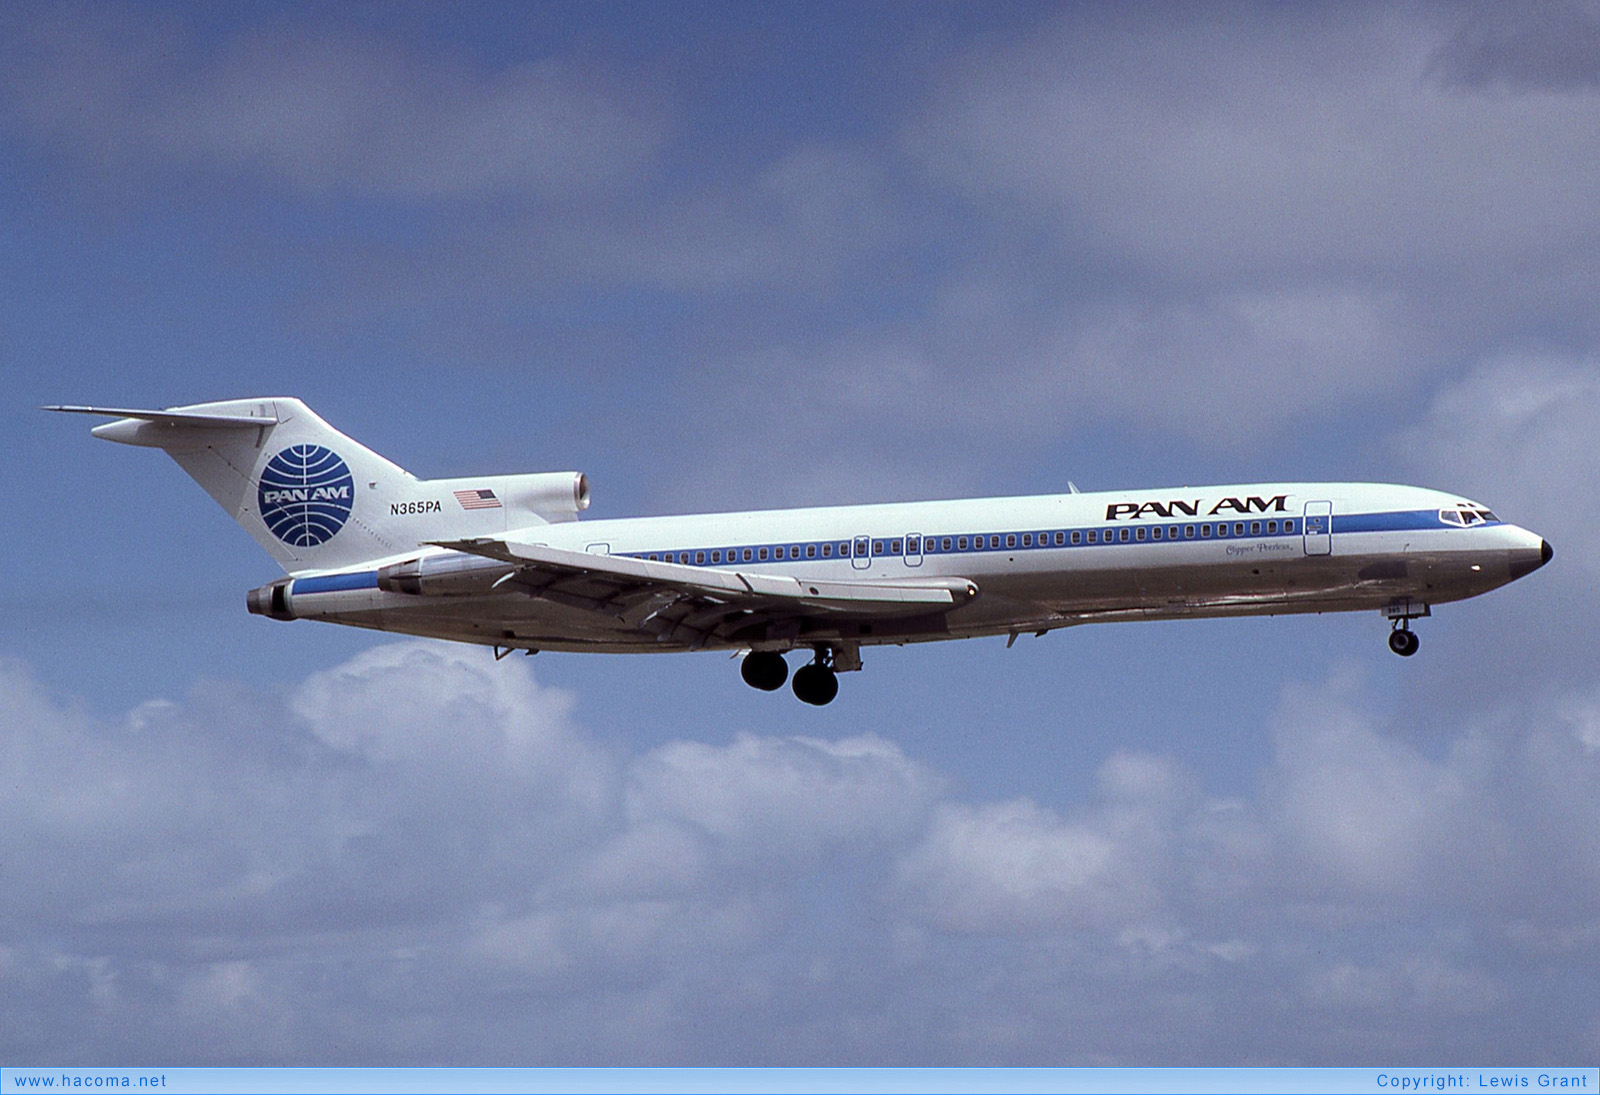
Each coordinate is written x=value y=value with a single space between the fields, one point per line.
x=1402 y=640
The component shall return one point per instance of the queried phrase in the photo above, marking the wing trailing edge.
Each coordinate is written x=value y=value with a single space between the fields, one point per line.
x=542 y=565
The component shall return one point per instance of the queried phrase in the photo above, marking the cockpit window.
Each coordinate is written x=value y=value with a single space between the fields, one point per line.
x=1465 y=515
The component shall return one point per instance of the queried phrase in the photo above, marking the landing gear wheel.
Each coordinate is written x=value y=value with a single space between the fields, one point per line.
x=815 y=684
x=765 y=669
x=1404 y=643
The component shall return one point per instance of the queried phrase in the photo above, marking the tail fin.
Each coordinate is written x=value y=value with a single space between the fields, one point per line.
x=315 y=499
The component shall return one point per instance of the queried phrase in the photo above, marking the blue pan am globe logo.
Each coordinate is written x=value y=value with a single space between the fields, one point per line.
x=305 y=495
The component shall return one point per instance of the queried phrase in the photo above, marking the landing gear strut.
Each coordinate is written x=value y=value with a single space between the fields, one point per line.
x=1402 y=640
x=816 y=683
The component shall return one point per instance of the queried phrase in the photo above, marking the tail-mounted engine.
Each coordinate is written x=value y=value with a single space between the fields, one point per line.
x=443 y=575
x=271 y=601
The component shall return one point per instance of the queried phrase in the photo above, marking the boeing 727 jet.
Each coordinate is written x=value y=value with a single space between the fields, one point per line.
x=503 y=561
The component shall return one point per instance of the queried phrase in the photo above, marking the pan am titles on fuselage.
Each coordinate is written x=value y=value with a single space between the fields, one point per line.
x=503 y=561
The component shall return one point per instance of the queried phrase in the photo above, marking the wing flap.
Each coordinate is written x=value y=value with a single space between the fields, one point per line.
x=544 y=569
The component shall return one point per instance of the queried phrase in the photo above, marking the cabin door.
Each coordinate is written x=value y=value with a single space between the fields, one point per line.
x=1319 y=528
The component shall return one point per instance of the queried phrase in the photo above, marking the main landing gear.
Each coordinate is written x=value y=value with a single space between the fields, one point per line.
x=764 y=669
x=1402 y=640
x=816 y=683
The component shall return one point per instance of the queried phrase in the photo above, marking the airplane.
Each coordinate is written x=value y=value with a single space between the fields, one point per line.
x=503 y=561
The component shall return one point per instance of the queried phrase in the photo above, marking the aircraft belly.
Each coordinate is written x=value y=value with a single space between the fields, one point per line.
x=1248 y=580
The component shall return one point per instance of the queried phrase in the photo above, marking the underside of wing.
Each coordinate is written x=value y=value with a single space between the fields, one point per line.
x=699 y=605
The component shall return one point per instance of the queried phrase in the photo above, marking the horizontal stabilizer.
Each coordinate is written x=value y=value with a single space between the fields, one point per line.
x=175 y=418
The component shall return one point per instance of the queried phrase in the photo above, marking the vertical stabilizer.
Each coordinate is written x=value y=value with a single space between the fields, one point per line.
x=298 y=486
x=317 y=500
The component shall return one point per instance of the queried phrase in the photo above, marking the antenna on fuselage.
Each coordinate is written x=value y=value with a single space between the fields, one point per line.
x=1072 y=488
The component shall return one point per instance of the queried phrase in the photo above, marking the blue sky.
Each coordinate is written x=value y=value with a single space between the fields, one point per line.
x=728 y=256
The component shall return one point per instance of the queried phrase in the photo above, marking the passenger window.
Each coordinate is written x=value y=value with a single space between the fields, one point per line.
x=1027 y=539
x=811 y=551
x=1011 y=540
x=944 y=545
x=1075 y=537
x=761 y=554
x=700 y=558
x=1255 y=528
x=1288 y=526
x=1188 y=532
x=1238 y=528
x=1155 y=533
x=961 y=543
x=1061 y=538
x=913 y=546
x=747 y=555
x=1123 y=536
x=827 y=551
x=1272 y=528
x=894 y=547
x=1138 y=533
x=862 y=548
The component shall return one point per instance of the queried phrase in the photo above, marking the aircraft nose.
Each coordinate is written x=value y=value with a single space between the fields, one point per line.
x=1526 y=564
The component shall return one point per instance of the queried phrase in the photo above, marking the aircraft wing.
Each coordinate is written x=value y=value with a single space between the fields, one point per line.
x=700 y=602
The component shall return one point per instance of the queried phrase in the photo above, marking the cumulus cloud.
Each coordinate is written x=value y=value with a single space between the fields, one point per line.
x=490 y=884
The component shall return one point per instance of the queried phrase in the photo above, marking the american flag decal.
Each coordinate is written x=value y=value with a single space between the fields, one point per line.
x=477 y=499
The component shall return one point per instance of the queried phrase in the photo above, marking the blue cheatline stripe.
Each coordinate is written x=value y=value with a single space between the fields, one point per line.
x=1389 y=522
x=1156 y=533
x=335 y=583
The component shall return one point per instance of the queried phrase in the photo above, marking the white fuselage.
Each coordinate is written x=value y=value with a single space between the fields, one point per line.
x=1038 y=563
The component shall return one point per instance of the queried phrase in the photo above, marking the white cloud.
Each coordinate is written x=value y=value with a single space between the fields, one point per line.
x=1362 y=812
x=437 y=828
x=770 y=801
x=1016 y=867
